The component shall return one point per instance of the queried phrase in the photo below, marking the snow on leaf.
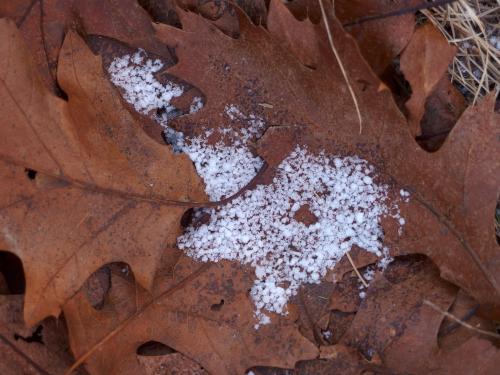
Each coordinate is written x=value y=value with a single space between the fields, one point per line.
x=260 y=227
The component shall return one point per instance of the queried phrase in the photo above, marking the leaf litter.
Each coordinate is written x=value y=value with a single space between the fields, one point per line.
x=225 y=167
x=214 y=296
x=260 y=228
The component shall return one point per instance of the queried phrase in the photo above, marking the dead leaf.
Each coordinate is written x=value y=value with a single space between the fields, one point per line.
x=40 y=350
x=393 y=308
x=221 y=13
x=44 y=25
x=443 y=108
x=438 y=181
x=424 y=63
x=100 y=191
x=202 y=311
x=433 y=213
x=339 y=359
x=298 y=38
x=380 y=41
x=394 y=323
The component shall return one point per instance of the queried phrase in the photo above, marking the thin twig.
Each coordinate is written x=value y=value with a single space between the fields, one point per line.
x=344 y=73
x=461 y=322
x=398 y=12
x=363 y=281
x=469 y=314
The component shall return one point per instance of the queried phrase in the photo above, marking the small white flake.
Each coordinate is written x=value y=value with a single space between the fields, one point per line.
x=369 y=274
x=405 y=195
x=196 y=105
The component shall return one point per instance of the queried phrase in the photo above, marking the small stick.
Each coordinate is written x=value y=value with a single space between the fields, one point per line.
x=398 y=12
x=344 y=73
x=461 y=322
x=363 y=281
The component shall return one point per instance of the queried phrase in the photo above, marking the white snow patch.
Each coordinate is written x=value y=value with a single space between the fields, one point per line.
x=135 y=75
x=259 y=228
x=225 y=167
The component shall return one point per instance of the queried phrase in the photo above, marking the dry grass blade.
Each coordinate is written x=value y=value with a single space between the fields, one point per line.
x=363 y=281
x=337 y=57
x=473 y=27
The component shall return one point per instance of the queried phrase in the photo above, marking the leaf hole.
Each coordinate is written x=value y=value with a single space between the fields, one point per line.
x=60 y=92
x=364 y=84
x=30 y=173
x=160 y=13
x=154 y=348
x=497 y=222
x=36 y=336
x=304 y=215
x=401 y=90
x=97 y=287
x=187 y=218
x=12 y=279
x=217 y=306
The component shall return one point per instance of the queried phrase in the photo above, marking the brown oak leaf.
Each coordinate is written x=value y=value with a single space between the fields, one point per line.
x=86 y=197
x=454 y=190
x=395 y=324
x=40 y=350
x=84 y=184
x=424 y=62
x=201 y=310
x=446 y=218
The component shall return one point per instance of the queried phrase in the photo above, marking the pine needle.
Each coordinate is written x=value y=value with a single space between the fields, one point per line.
x=471 y=26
